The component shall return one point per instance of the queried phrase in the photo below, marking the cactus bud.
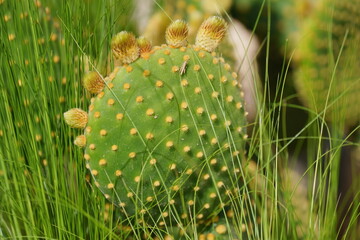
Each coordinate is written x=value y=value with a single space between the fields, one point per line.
x=144 y=45
x=93 y=82
x=80 y=141
x=176 y=34
x=125 y=48
x=211 y=32
x=76 y=118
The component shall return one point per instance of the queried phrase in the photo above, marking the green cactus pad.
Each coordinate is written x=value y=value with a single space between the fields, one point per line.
x=166 y=136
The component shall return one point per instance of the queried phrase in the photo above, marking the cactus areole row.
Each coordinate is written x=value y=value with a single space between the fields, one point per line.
x=164 y=136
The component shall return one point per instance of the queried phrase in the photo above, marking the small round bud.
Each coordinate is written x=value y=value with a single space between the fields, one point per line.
x=124 y=47
x=76 y=118
x=144 y=45
x=211 y=32
x=176 y=34
x=80 y=141
x=93 y=82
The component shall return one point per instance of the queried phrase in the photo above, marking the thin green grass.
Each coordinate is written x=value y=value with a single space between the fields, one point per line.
x=43 y=189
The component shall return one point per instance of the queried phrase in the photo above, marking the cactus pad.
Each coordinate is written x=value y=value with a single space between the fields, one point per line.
x=165 y=138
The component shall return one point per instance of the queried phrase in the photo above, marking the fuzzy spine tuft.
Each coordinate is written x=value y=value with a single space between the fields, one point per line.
x=76 y=118
x=211 y=32
x=177 y=33
x=125 y=47
x=144 y=45
x=93 y=82
x=80 y=141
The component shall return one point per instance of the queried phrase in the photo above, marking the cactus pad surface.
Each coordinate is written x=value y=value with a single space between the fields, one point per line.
x=165 y=139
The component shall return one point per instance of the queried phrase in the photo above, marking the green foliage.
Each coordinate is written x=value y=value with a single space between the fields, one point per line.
x=43 y=191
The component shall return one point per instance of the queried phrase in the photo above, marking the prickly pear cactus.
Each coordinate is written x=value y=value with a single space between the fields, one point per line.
x=164 y=137
x=328 y=74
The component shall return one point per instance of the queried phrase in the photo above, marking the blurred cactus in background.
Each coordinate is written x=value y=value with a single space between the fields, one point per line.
x=328 y=76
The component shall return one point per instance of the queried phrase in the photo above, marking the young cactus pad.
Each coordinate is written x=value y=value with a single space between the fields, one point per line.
x=165 y=138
